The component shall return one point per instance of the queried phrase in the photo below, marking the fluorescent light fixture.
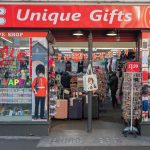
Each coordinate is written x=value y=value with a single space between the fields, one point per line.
x=111 y=33
x=85 y=48
x=66 y=52
x=6 y=40
x=24 y=48
x=78 y=33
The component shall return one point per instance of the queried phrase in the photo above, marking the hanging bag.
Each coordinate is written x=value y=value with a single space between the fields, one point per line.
x=90 y=80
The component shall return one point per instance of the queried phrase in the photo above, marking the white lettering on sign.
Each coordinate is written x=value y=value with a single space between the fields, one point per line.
x=53 y=17
x=133 y=66
x=11 y=34
x=110 y=16
x=15 y=34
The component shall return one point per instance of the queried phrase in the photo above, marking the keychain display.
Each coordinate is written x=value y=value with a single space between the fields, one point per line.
x=132 y=101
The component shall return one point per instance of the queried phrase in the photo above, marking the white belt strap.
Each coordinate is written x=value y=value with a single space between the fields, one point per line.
x=41 y=87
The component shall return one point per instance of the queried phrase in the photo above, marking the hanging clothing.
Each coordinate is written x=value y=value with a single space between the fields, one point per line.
x=74 y=66
x=68 y=66
x=106 y=63
x=85 y=66
x=60 y=66
x=80 y=66
x=65 y=80
x=114 y=64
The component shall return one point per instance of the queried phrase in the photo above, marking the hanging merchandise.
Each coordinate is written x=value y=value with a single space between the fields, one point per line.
x=85 y=56
x=80 y=66
x=73 y=83
x=60 y=66
x=114 y=64
x=65 y=80
x=126 y=52
x=52 y=102
x=101 y=56
x=132 y=103
x=102 y=84
x=118 y=53
x=90 y=80
x=68 y=66
x=77 y=56
x=59 y=56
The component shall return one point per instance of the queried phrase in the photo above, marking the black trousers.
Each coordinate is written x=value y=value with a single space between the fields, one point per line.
x=39 y=101
x=114 y=99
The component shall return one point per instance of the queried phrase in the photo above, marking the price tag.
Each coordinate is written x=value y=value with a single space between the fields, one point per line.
x=133 y=67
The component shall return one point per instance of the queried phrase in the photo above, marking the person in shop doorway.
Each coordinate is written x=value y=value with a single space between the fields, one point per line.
x=113 y=84
x=39 y=87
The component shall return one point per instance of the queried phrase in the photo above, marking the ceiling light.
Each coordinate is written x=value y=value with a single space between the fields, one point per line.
x=78 y=33
x=111 y=33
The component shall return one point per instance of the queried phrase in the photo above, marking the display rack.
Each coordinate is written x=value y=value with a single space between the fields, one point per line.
x=15 y=95
x=73 y=83
x=131 y=101
x=52 y=101
x=101 y=78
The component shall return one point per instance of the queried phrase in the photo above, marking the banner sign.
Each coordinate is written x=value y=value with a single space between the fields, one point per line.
x=133 y=67
x=74 y=16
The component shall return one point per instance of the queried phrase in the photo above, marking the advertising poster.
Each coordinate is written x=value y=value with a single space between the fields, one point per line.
x=39 y=79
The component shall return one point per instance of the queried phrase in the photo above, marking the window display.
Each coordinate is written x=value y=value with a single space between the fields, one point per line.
x=15 y=80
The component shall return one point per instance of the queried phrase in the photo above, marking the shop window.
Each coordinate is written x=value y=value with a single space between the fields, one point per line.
x=15 y=80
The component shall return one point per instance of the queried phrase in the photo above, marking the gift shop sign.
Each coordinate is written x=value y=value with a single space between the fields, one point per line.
x=133 y=67
x=74 y=16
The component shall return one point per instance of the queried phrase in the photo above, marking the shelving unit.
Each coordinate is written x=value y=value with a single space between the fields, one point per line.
x=15 y=104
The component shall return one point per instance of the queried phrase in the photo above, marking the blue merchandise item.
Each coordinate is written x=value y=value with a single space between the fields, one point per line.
x=74 y=66
x=60 y=66
x=145 y=105
x=114 y=64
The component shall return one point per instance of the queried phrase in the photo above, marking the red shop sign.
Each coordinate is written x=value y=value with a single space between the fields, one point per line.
x=133 y=67
x=74 y=16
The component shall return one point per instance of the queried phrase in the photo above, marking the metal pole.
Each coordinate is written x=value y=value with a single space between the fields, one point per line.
x=90 y=47
x=48 y=117
x=138 y=48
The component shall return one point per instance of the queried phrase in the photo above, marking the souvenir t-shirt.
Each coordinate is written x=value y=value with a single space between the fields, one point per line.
x=74 y=66
x=80 y=66
x=68 y=66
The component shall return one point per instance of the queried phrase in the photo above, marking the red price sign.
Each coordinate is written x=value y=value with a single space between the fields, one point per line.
x=133 y=67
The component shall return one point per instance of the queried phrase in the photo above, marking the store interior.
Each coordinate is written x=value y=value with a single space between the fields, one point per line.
x=70 y=62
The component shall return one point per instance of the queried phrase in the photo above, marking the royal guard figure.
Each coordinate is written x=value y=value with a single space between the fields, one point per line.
x=39 y=87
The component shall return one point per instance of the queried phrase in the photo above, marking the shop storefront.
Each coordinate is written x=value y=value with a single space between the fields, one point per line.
x=24 y=48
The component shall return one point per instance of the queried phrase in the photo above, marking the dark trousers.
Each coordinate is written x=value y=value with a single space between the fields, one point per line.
x=114 y=99
x=41 y=101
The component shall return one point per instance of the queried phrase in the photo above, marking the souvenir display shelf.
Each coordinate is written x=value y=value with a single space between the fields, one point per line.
x=52 y=101
x=15 y=96
x=132 y=103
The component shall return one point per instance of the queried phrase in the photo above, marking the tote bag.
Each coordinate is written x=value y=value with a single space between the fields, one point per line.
x=90 y=80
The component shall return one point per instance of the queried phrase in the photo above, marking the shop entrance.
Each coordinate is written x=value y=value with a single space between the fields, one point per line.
x=110 y=54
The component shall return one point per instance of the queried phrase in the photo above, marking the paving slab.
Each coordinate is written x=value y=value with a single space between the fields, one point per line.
x=106 y=134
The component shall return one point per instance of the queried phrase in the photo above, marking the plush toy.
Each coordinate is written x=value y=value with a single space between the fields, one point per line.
x=23 y=75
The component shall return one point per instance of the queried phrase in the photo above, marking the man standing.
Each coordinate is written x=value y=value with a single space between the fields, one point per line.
x=113 y=83
x=39 y=87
